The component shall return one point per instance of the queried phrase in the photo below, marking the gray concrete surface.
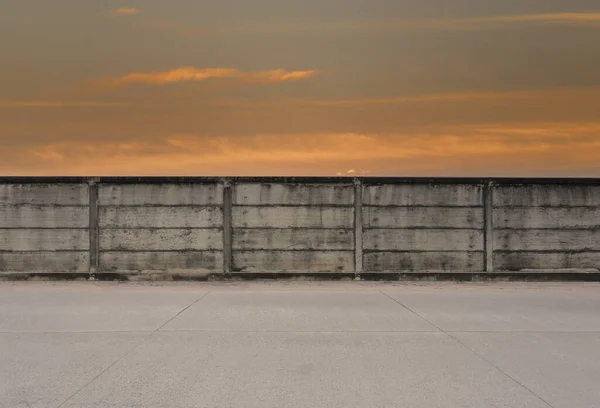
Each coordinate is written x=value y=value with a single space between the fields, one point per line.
x=299 y=344
x=201 y=226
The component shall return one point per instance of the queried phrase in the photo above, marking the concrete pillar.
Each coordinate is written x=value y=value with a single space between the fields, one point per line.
x=488 y=210
x=358 y=226
x=227 y=226
x=94 y=231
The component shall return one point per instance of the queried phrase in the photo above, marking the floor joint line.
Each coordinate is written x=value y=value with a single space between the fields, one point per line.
x=499 y=370
x=472 y=351
x=132 y=349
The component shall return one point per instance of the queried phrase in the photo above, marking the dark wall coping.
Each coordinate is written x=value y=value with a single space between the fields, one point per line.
x=292 y=180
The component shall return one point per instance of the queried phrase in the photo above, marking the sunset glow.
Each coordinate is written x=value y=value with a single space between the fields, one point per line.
x=300 y=88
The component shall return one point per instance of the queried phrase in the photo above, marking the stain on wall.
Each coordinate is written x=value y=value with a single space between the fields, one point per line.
x=293 y=228
x=423 y=227
x=295 y=225
x=44 y=227
x=546 y=226
x=161 y=227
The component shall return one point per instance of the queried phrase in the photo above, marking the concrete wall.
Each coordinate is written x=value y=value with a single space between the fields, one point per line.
x=160 y=227
x=44 y=227
x=298 y=225
x=546 y=227
x=293 y=227
x=423 y=227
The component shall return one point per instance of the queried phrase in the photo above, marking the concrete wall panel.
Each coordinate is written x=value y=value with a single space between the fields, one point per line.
x=293 y=261
x=547 y=240
x=294 y=225
x=161 y=217
x=274 y=239
x=430 y=217
x=44 y=194
x=293 y=217
x=545 y=217
x=423 y=262
x=422 y=240
x=161 y=194
x=423 y=195
x=553 y=195
x=47 y=262
x=160 y=239
x=44 y=239
x=293 y=194
x=517 y=261
x=38 y=216
x=211 y=261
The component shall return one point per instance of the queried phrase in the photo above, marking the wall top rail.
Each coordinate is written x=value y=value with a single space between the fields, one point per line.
x=295 y=180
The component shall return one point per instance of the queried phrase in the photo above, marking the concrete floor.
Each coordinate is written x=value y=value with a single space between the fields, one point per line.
x=311 y=344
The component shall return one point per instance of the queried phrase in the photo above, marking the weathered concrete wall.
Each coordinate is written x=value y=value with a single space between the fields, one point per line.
x=298 y=225
x=293 y=227
x=545 y=226
x=423 y=227
x=44 y=227
x=156 y=227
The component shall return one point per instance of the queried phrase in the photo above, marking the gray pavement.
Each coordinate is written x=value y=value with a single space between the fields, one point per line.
x=299 y=344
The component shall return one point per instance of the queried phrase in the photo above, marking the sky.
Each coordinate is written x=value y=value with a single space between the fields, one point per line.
x=300 y=87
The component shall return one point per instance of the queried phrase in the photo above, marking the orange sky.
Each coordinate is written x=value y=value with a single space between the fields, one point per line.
x=312 y=87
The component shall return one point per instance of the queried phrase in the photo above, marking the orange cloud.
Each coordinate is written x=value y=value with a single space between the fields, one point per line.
x=549 y=17
x=61 y=104
x=182 y=75
x=353 y=172
x=49 y=153
x=463 y=97
x=469 y=23
x=504 y=149
x=467 y=96
x=125 y=11
x=192 y=74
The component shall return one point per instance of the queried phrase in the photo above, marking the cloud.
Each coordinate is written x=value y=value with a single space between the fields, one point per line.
x=183 y=75
x=501 y=149
x=49 y=153
x=469 y=23
x=549 y=17
x=461 y=97
x=467 y=96
x=390 y=26
x=353 y=172
x=535 y=132
x=591 y=19
x=61 y=104
x=125 y=11
x=192 y=74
